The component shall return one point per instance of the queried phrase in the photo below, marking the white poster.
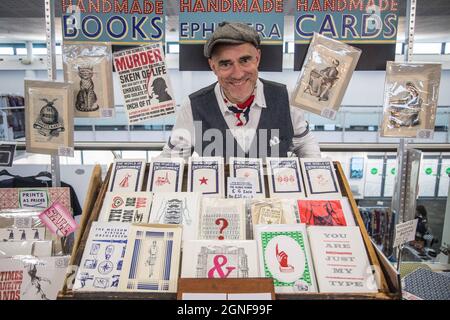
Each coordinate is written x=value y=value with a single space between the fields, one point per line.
x=374 y=175
x=391 y=173
x=427 y=177
x=445 y=177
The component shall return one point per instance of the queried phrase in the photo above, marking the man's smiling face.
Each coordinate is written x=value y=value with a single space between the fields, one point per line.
x=236 y=68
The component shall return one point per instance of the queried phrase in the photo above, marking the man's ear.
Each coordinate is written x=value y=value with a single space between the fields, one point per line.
x=258 y=57
x=212 y=65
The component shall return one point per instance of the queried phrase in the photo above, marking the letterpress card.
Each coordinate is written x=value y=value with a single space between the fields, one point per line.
x=152 y=260
x=320 y=179
x=182 y=208
x=340 y=260
x=131 y=207
x=285 y=179
x=223 y=219
x=325 y=213
x=250 y=169
x=103 y=256
x=127 y=175
x=284 y=255
x=166 y=175
x=206 y=175
x=219 y=259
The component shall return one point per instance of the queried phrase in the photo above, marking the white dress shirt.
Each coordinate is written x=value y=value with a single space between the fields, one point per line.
x=304 y=144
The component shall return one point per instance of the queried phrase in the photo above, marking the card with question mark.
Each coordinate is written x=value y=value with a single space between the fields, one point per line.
x=223 y=219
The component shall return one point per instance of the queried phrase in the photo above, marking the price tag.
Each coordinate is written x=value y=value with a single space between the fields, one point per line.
x=405 y=232
x=240 y=188
x=65 y=152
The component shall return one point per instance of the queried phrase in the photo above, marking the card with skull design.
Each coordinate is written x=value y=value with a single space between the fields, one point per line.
x=49 y=117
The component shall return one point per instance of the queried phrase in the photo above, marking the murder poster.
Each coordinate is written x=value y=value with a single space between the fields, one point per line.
x=144 y=82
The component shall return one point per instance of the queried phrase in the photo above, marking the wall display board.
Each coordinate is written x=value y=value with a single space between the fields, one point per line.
x=428 y=176
x=374 y=177
x=445 y=177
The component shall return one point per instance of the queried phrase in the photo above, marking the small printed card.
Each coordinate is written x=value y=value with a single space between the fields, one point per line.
x=22 y=234
x=132 y=207
x=240 y=188
x=285 y=179
x=320 y=179
x=219 y=259
x=127 y=175
x=223 y=219
x=206 y=175
x=250 y=169
x=103 y=256
x=325 y=213
x=58 y=220
x=166 y=175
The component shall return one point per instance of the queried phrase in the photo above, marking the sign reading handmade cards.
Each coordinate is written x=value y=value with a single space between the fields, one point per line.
x=58 y=220
x=7 y=151
x=219 y=259
x=369 y=25
x=284 y=255
x=32 y=278
x=49 y=116
x=131 y=207
x=411 y=93
x=89 y=68
x=340 y=260
x=206 y=175
x=119 y=22
x=182 y=208
x=250 y=169
x=152 y=260
x=325 y=212
x=127 y=175
x=166 y=175
x=320 y=178
x=223 y=219
x=325 y=75
x=285 y=179
x=145 y=83
x=102 y=260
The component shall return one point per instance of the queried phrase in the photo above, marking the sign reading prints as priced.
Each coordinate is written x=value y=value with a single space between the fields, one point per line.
x=58 y=220
x=114 y=21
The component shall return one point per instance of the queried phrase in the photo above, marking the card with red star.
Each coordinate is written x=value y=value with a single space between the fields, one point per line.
x=206 y=175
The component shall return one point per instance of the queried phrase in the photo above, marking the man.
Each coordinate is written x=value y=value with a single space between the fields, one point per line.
x=240 y=114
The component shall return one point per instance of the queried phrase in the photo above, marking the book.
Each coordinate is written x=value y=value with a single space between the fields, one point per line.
x=181 y=208
x=320 y=179
x=206 y=175
x=132 y=207
x=127 y=175
x=32 y=278
x=219 y=259
x=165 y=175
x=325 y=212
x=340 y=260
x=284 y=255
x=284 y=177
x=102 y=260
x=250 y=169
x=223 y=219
x=152 y=260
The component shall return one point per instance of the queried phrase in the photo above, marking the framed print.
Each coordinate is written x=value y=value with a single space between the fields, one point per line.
x=326 y=72
x=219 y=259
x=206 y=175
x=411 y=93
x=127 y=175
x=320 y=179
x=250 y=169
x=152 y=261
x=88 y=67
x=165 y=175
x=285 y=179
x=49 y=116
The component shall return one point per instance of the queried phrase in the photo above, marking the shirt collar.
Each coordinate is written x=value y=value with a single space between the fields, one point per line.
x=259 y=101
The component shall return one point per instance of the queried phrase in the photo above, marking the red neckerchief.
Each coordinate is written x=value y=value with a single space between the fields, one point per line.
x=239 y=109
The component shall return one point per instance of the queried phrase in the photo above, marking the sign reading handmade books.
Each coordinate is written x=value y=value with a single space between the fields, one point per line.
x=367 y=24
x=199 y=19
x=125 y=21
x=144 y=82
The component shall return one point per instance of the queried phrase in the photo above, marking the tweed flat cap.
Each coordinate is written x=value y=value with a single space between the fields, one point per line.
x=231 y=33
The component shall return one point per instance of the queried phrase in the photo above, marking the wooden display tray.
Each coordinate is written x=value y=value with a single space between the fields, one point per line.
x=389 y=286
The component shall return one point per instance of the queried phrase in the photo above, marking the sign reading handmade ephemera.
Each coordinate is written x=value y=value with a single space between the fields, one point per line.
x=411 y=93
x=326 y=72
x=144 y=82
x=89 y=68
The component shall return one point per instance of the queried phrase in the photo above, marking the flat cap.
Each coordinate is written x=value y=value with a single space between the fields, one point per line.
x=231 y=33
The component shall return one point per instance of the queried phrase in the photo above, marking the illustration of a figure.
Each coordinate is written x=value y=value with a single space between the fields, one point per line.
x=23 y=235
x=36 y=233
x=174 y=211
x=115 y=281
x=160 y=181
x=321 y=82
x=36 y=281
x=11 y=234
x=325 y=215
x=84 y=276
x=159 y=90
x=151 y=260
x=108 y=252
x=86 y=97
x=47 y=123
x=124 y=183
x=404 y=112
x=282 y=258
